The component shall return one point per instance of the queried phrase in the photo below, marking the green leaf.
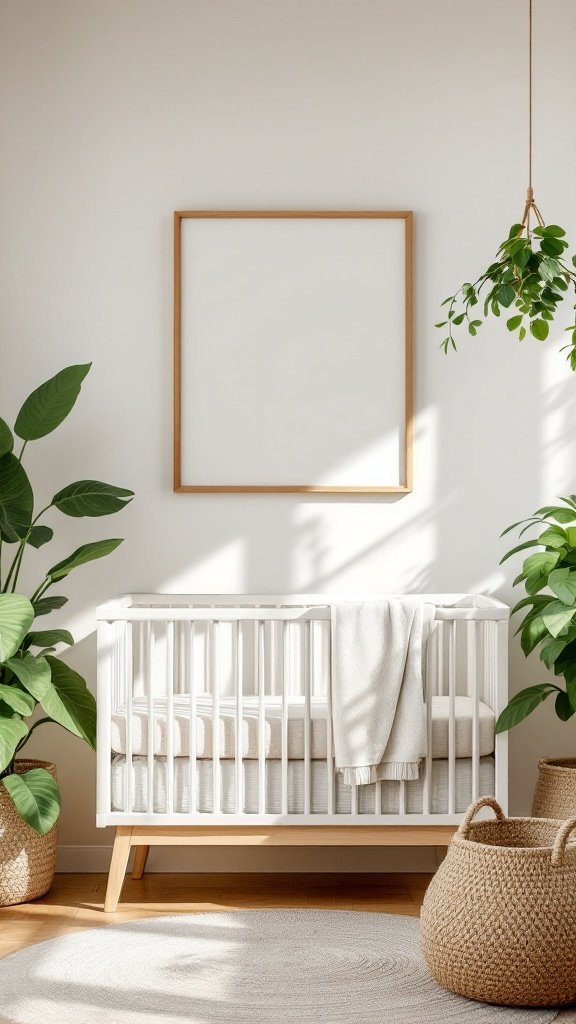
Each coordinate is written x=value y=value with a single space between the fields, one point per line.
x=45 y=637
x=39 y=535
x=571 y=691
x=45 y=605
x=554 y=537
x=6 y=438
x=563 y=583
x=552 y=247
x=91 y=498
x=21 y=703
x=563 y=707
x=16 y=617
x=83 y=554
x=520 y=547
x=513 y=322
x=532 y=521
x=33 y=673
x=533 y=631
x=36 y=797
x=69 y=702
x=515 y=230
x=522 y=705
x=522 y=333
x=539 y=601
x=12 y=730
x=554 y=230
x=506 y=295
x=552 y=649
x=542 y=562
x=539 y=329
x=16 y=499
x=557 y=616
x=49 y=405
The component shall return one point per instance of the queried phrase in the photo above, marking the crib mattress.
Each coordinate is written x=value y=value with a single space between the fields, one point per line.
x=273 y=729
x=390 y=791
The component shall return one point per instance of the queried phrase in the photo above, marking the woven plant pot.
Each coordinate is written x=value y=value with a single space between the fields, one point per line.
x=555 y=793
x=27 y=860
x=499 y=917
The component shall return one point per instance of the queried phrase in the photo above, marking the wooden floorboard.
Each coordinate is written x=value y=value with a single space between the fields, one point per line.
x=75 y=901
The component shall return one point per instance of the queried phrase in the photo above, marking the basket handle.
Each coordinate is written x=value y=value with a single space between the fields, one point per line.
x=559 y=848
x=484 y=801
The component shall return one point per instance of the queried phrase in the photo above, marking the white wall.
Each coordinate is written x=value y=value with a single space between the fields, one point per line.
x=116 y=112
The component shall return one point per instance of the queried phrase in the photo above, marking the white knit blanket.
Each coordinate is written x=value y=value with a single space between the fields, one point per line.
x=378 y=715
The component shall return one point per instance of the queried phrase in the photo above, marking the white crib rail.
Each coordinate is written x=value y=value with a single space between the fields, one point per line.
x=252 y=661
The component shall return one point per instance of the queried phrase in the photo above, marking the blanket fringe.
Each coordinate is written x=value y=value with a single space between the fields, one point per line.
x=397 y=771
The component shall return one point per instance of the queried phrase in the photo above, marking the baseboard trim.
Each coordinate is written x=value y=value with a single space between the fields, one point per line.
x=96 y=859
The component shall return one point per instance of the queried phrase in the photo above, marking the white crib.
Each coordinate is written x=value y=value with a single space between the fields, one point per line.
x=214 y=726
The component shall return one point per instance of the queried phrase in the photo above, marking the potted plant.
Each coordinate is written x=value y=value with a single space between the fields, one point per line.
x=549 y=625
x=36 y=686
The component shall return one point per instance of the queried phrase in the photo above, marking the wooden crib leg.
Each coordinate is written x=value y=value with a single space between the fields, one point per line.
x=140 y=858
x=118 y=865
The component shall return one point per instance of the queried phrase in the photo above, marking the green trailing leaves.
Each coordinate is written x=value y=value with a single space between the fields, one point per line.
x=16 y=617
x=16 y=500
x=531 y=275
x=49 y=405
x=83 y=554
x=36 y=797
x=91 y=498
x=523 y=704
x=69 y=702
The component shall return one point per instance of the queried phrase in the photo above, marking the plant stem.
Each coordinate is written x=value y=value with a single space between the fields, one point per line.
x=24 y=741
x=17 y=557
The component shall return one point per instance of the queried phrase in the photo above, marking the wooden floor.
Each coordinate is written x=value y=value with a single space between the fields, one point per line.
x=75 y=901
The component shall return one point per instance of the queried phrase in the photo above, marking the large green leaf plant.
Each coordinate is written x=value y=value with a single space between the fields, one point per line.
x=36 y=686
x=549 y=623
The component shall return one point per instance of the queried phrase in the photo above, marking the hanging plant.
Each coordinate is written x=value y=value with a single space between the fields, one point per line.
x=530 y=273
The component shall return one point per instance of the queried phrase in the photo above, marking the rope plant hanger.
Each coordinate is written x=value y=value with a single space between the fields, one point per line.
x=529 y=274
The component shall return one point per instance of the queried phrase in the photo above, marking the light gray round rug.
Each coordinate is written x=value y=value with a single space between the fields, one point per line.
x=325 y=967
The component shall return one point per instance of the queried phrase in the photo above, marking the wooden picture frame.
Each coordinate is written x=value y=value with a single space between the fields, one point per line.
x=403 y=484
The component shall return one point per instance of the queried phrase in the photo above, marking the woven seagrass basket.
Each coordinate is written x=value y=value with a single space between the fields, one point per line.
x=27 y=860
x=555 y=793
x=499 y=917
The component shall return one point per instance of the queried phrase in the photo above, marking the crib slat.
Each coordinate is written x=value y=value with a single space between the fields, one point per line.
x=127 y=673
x=308 y=683
x=237 y=669
x=192 y=721
x=286 y=651
x=214 y=640
x=472 y=680
x=431 y=683
x=261 y=718
x=149 y=654
x=105 y=634
x=452 y=718
x=170 y=717
x=329 y=750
